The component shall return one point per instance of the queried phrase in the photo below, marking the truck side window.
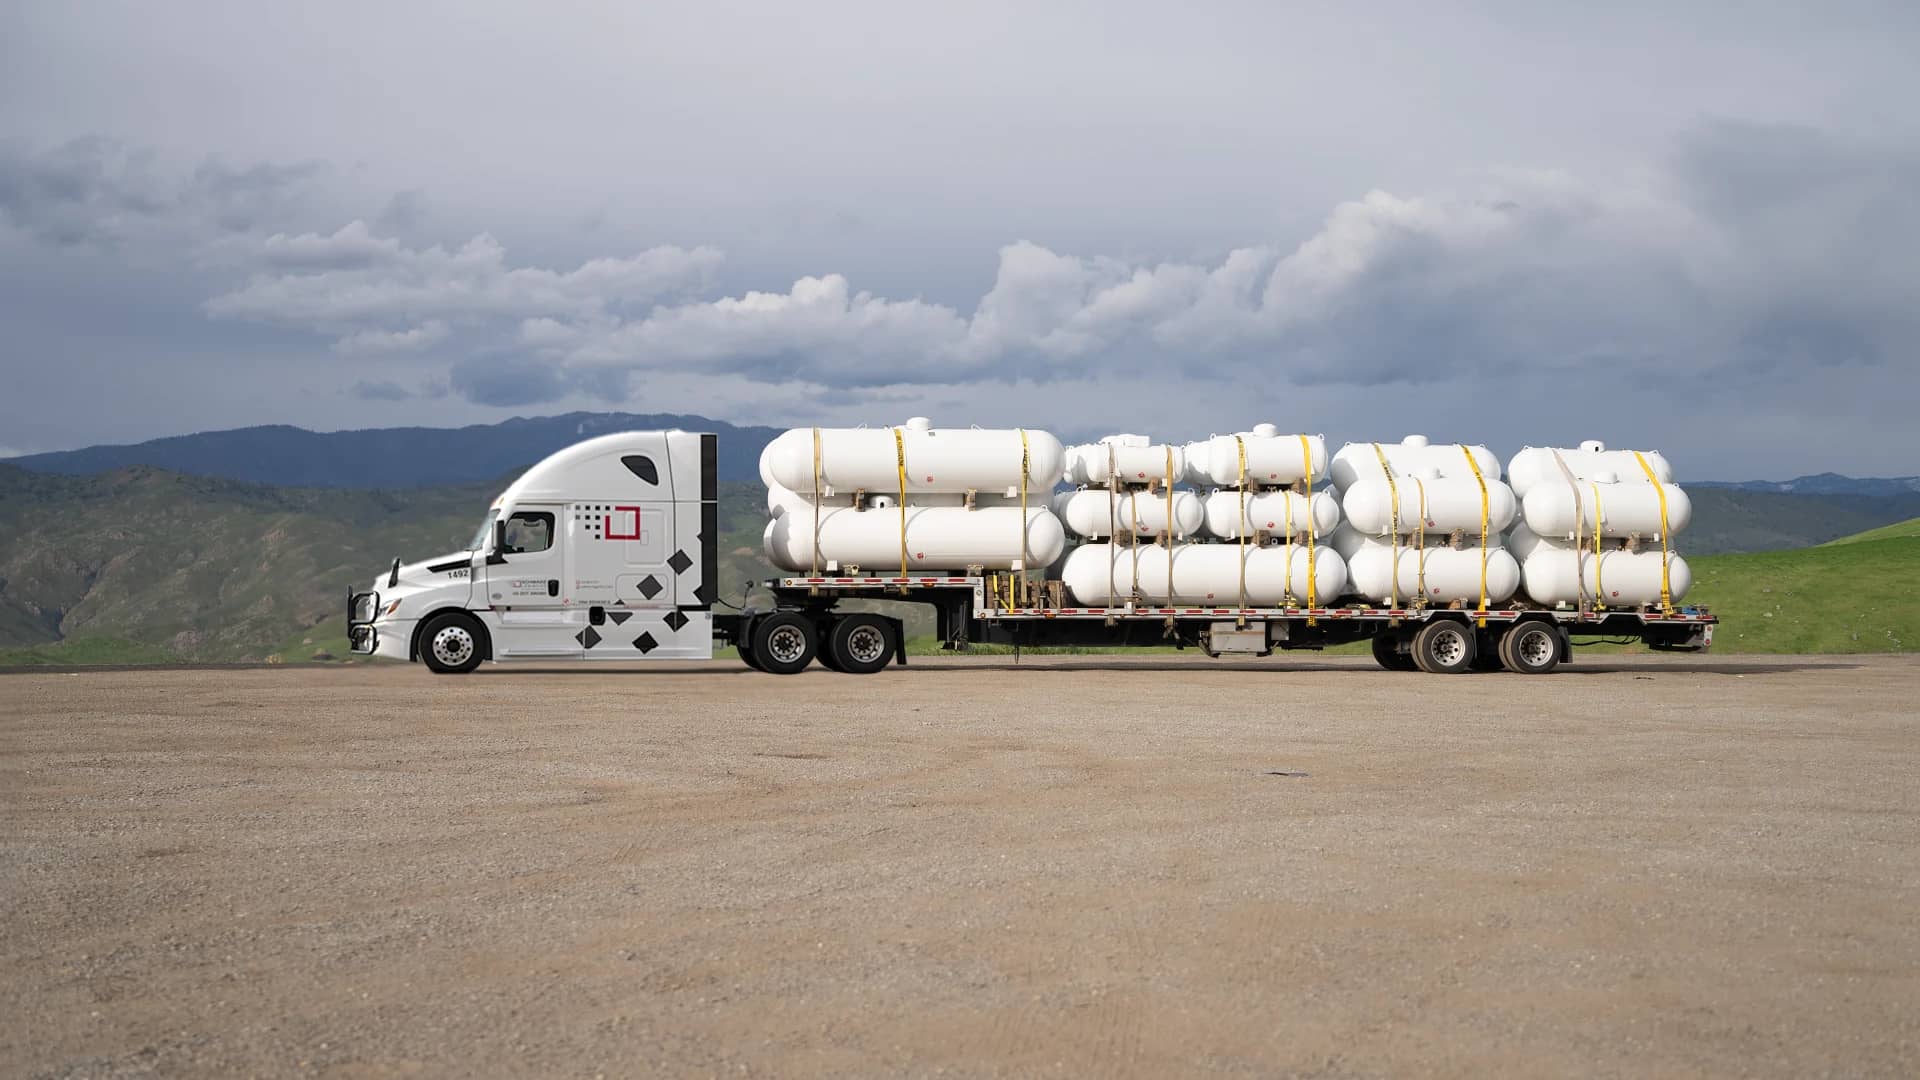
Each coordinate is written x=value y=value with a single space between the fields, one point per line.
x=528 y=531
x=642 y=466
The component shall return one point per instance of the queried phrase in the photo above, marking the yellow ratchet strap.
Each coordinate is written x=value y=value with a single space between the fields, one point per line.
x=1393 y=494
x=1026 y=462
x=1241 y=445
x=1313 y=598
x=1579 y=529
x=1168 y=534
x=1475 y=466
x=1666 y=573
x=900 y=463
x=1599 y=522
x=1420 y=543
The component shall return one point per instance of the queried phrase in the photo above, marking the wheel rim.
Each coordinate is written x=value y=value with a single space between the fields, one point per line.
x=1449 y=647
x=452 y=645
x=866 y=644
x=786 y=644
x=1535 y=648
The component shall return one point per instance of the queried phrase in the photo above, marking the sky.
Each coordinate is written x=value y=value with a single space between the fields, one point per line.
x=1683 y=227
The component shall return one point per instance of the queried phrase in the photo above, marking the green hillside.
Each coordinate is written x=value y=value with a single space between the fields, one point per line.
x=1857 y=594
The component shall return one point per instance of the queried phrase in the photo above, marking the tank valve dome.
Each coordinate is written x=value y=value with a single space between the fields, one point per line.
x=918 y=423
x=1265 y=431
x=1593 y=446
x=1414 y=440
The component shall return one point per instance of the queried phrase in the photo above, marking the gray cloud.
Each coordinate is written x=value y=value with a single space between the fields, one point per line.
x=381 y=390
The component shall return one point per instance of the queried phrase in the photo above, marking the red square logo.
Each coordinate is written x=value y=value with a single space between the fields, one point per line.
x=623 y=523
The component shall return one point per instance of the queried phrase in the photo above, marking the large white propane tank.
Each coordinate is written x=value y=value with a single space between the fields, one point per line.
x=1448 y=502
x=1441 y=574
x=783 y=501
x=1270 y=512
x=938 y=538
x=1410 y=456
x=1100 y=512
x=1555 y=573
x=1206 y=575
x=1135 y=459
x=937 y=459
x=1272 y=459
x=1615 y=509
x=1535 y=466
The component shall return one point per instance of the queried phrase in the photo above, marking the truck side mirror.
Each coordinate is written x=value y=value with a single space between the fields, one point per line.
x=500 y=537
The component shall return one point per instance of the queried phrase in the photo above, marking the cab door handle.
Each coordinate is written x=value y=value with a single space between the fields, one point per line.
x=553 y=587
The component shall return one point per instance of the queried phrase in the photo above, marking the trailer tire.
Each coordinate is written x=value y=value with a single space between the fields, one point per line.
x=452 y=643
x=784 y=643
x=1532 y=647
x=825 y=657
x=1444 y=647
x=1388 y=654
x=859 y=644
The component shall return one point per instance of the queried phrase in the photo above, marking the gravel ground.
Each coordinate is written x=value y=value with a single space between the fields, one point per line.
x=1636 y=867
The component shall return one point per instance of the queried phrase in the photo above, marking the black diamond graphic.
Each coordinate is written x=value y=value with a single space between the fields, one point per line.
x=588 y=637
x=650 y=586
x=703 y=594
x=619 y=617
x=645 y=643
x=675 y=620
x=679 y=562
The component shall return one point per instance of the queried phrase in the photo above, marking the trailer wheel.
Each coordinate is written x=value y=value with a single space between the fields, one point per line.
x=1532 y=647
x=1444 y=647
x=744 y=647
x=823 y=629
x=1388 y=654
x=859 y=644
x=784 y=642
x=450 y=644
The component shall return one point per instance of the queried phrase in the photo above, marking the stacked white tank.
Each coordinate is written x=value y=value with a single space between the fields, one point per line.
x=942 y=499
x=1597 y=526
x=1425 y=521
x=1256 y=537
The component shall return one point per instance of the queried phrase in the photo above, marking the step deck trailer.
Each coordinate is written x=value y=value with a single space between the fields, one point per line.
x=807 y=623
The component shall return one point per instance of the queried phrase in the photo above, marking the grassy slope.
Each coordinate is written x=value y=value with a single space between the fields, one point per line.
x=1898 y=529
x=1860 y=594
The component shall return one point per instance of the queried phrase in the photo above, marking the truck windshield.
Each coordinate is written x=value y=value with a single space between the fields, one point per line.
x=485 y=532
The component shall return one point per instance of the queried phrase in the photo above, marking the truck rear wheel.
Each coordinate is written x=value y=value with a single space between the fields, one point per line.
x=1388 y=654
x=1444 y=647
x=860 y=644
x=745 y=648
x=784 y=643
x=451 y=644
x=1532 y=647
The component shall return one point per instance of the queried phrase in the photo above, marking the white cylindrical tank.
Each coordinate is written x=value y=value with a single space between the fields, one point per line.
x=1438 y=504
x=1535 y=466
x=937 y=460
x=1345 y=541
x=1385 y=573
x=938 y=538
x=1132 y=462
x=1555 y=573
x=1410 y=456
x=1271 y=460
x=1099 y=512
x=1271 y=512
x=1617 y=509
x=1203 y=574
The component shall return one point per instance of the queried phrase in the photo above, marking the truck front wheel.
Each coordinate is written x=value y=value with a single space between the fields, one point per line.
x=451 y=644
x=784 y=642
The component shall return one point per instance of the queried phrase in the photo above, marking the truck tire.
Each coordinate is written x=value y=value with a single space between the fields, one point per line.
x=745 y=648
x=860 y=644
x=826 y=658
x=1444 y=647
x=1532 y=647
x=1388 y=654
x=784 y=643
x=452 y=643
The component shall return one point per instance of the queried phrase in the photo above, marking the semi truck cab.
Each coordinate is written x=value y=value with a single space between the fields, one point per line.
x=607 y=550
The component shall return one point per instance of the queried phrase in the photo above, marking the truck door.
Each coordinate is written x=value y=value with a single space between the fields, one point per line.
x=527 y=587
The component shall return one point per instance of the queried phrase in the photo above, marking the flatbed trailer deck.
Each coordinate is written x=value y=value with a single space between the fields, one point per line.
x=999 y=609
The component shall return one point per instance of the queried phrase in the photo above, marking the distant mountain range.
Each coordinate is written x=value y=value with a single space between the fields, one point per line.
x=415 y=457
x=1825 y=483
x=386 y=458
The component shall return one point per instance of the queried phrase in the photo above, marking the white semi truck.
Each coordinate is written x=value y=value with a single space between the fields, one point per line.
x=609 y=550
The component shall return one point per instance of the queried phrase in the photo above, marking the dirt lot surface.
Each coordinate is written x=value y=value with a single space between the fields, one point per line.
x=1635 y=867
